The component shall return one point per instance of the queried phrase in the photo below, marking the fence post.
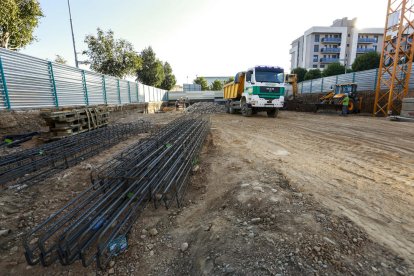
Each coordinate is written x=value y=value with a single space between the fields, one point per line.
x=311 y=86
x=376 y=78
x=85 y=89
x=322 y=85
x=336 y=82
x=129 y=92
x=5 y=91
x=301 y=88
x=52 y=80
x=104 y=89
x=353 y=77
x=136 y=91
x=119 y=91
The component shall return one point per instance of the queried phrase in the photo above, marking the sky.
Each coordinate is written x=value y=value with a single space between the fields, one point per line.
x=198 y=37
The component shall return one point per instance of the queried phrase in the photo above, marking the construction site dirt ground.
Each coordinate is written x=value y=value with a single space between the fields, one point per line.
x=301 y=194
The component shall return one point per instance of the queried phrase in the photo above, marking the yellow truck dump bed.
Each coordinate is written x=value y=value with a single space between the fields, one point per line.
x=235 y=89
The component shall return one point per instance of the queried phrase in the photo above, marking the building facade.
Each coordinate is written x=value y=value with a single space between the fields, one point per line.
x=341 y=42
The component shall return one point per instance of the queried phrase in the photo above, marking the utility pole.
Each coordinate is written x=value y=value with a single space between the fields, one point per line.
x=73 y=37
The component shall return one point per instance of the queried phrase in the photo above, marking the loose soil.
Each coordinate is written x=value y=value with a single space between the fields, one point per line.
x=301 y=194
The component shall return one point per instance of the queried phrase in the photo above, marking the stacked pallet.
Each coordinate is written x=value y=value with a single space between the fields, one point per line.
x=69 y=122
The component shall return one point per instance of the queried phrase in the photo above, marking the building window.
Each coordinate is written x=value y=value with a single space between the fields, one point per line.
x=315 y=66
x=322 y=66
x=347 y=45
x=315 y=58
x=316 y=48
x=317 y=38
x=349 y=35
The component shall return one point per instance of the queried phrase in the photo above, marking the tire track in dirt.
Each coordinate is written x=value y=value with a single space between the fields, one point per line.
x=356 y=166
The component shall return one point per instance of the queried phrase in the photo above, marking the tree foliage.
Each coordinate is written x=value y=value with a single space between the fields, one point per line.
x=313 y=74
x=18 y=19
x=216 y=85
x=334 y=69
x=366 y=61
x=60 y=59
x=201 y=81
x=300 y=72
x=169 y=79
x=107 y=55
x=152 y=69
x=231 y=79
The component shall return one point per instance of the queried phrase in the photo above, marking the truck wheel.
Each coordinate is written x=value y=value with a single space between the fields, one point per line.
x=351 y=106
x=272 y=113
x=227 y=108
x=232 y=110
x=246 y=111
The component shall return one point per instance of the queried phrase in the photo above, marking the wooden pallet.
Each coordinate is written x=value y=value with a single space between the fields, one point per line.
x=65 y=123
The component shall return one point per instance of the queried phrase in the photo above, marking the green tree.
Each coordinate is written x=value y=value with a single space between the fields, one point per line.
x=334 y=69
x=300 y=72
x=231 y=79
x=216 y=85
x=366 y=61
x=201 y=81
x=152 y=70
x=60 y=59
x=18 y=19
x=313 y=74
x=107 y=55
x=169 y=79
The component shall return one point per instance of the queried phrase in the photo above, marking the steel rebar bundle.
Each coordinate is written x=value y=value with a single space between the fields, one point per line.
x=153 y=170
x=26 y=168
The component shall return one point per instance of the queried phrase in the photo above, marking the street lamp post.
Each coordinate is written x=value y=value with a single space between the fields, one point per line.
x=73 y=37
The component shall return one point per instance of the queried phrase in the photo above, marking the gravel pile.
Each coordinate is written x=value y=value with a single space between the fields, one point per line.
x=205 y=108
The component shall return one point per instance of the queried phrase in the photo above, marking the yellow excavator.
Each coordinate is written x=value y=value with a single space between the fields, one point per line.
x=333 y=99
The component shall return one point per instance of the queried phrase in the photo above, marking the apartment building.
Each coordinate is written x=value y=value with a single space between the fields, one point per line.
x=341 y=42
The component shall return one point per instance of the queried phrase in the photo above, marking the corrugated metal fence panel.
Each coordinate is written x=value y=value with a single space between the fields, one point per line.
x=141 y=93
x=328 y=82
x=111 y=90
x=27 y=80
x=134 y=92
x=69 y=86
x=147 y=92
x=2 y=98
x=30 y=85
x=316 y=85
x=345 y=78
x=123 y=86
x=366 y=79
x=411 y=78
x=306 y=87
x=94 y=87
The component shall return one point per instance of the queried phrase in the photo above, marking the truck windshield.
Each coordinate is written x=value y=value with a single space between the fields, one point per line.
x=275 y=76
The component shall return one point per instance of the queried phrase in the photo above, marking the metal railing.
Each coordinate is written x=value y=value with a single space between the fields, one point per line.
x=330 y=50
x=30 y=82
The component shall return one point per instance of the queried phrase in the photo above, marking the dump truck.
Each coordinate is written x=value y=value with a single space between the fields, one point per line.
x=259 y=89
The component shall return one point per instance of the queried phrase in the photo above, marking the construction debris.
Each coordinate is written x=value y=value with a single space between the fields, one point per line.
x=94 y=225
x=25 y=168
x=205 y=108
x=66 y=123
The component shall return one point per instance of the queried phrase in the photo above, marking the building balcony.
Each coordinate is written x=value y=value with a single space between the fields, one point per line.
x=329 y=60
x=365 y=50
x=367 y=40
x=333 y=40
x=330 y=50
